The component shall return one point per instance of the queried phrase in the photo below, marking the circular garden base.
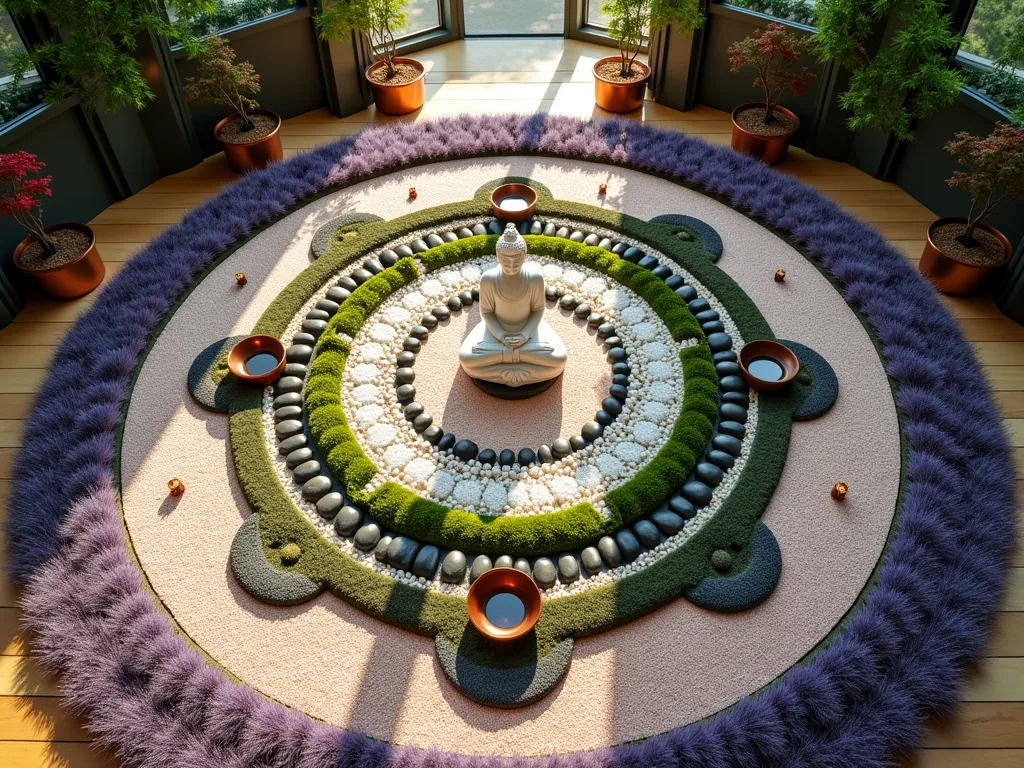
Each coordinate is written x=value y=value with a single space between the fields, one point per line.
x=737 y=591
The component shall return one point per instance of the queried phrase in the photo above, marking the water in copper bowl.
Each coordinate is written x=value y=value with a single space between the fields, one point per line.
x=766 y=369
x=514 y=203
x=505 y=610
x=260 y=363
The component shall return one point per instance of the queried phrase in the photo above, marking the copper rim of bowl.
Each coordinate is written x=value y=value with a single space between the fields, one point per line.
x=778 y=352
x=496 y=581
x=511 y=190
x=253 y=345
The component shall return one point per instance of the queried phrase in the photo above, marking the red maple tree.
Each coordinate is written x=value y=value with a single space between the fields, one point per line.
x=994 y=175
x=774 y=53
x=20 y=197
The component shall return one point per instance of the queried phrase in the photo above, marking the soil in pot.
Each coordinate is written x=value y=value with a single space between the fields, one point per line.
x=71 y=245
x=750 y=119
x=612 y=71
x=404 y=73
x=988 y=250
x=234 y=132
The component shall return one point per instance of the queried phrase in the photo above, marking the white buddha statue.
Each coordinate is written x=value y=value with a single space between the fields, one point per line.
x=512 y=345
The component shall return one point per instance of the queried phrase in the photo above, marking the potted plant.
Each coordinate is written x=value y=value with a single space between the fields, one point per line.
x=764 y=128
x=961 y=251
x=61 y=257
x=92 y=54
x=620 y=82
x=250 y=136
x=397 y=82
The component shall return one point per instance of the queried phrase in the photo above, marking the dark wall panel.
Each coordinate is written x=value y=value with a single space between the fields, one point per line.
x=922 y=166
x=723 y=89
x=284 y=53
x=81 y=187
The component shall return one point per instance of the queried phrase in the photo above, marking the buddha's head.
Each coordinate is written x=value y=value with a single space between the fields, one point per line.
x=511 y=250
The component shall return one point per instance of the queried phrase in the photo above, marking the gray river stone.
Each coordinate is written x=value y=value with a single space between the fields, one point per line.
x=316 y=488
x=609 y=551
x=293 y=443
x=329 y=506
x=544 y=573
x=505 y=561
x=628 y=545
x=307 y=471
x=401 y=552
x=367 y=537
x=348 y=521
x=425 y=564
x=668 y=522
x=481 y=565
x=646 y=533
x=591 y=560
x=568 y=569
x=453 y=567
x=301 y=456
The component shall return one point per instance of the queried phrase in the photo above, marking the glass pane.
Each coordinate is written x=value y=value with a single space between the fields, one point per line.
x=993 y=53
x=594 y=16
x=514 y=17
x=15 y=98
x=990 y=32
x=800 y=11
x=420 y=16
x=231 y=13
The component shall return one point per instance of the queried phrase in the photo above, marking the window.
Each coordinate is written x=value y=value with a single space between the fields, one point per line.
x=231 y=13
x=15 y=97
x=594 y=16
x=992 y=53
x=800 y=11
x=420 y=16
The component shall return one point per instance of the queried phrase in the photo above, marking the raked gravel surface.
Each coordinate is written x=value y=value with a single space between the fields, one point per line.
x=677 y=665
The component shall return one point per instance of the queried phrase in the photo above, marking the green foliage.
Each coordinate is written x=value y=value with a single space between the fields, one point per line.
x=800 y=11
x=1000 y=85
x=995 y=171
x=994 y=26
x=631 y=21
x=222 y=80
x=93 y=56
x=909 y=78
x=376 y=20
x=230 y=13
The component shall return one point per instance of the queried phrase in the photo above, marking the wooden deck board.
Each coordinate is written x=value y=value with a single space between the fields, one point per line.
x=539 y=75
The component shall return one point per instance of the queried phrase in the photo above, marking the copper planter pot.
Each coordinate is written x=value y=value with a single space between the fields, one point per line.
x=496 y=581
x=67 y=281
x=951 y=276
x=398 y=99
x=253 y=155
x=769 y=149
x=620 y=97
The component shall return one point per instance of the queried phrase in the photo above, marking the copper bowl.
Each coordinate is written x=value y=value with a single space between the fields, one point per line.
x=780 y=353
x=252 y=155
x=496 y=581
x=398 y=99
x=951 y=276
x=71 y=280
x=254 y=345
x=513 y=190
x=620 y=97
x=769 y=149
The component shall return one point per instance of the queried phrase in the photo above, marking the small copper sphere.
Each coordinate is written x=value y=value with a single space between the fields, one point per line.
x=412 y=193
x=780 y=275
x=241 y=279
x=175 y=486
x=602 y=189
x=839 y=491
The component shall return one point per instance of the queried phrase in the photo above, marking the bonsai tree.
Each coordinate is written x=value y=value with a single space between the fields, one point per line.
x=994 y=175
x=20 y=197
x=222 y=80
x=631 y=21
x=909 y=78
x=375 y=20
x=92 y=57
x=773 y=53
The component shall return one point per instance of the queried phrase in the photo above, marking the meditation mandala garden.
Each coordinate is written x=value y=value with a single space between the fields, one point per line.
x=773 y=557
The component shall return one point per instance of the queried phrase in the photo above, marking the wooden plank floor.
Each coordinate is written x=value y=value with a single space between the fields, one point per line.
x=537 y=75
